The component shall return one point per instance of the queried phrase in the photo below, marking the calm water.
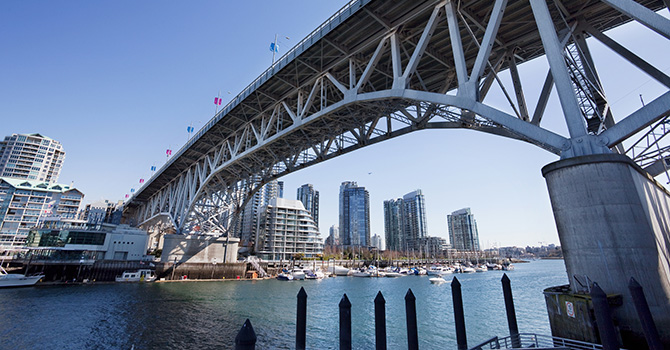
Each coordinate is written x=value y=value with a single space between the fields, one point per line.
x=208 y=315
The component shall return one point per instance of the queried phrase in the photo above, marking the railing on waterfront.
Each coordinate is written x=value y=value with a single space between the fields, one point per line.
x=246 y=338
x=536 y=341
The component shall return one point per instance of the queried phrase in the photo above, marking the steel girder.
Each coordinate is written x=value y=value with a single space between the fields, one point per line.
x=410 y=66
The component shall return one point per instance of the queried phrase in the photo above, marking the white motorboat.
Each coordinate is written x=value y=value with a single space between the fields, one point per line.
x=437 y=280
x=17 y=280
x=339 y=270
x=435 y=270
x=361 y=274
x=298 y=273
x=285 y=276
x=468 y=270
x=314 y=275
x=394 y=274
x=142 y=275
x=446 y=270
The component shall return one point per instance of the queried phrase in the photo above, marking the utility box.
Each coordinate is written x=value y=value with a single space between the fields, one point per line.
x=571 y=315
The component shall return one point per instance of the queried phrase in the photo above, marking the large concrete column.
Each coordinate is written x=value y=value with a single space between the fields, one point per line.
x=613 y=222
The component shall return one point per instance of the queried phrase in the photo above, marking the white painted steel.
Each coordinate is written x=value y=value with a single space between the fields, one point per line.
x=406 y=70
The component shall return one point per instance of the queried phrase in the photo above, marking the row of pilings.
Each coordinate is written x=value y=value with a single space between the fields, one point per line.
x=246 y=337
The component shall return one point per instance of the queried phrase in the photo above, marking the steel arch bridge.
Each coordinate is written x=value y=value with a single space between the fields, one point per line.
x=380 y=69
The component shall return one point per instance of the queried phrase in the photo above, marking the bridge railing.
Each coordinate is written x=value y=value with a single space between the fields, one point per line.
x=300 y=47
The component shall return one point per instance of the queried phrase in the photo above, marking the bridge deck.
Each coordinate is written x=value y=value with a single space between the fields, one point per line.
x=351 y=36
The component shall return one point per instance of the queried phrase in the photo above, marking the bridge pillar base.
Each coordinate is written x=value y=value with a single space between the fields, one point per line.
x=613 y=221
x=199 y=249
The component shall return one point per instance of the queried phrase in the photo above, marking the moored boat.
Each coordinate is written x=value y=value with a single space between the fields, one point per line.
x=468 y=270
x=339 y=270
x=142 y=275
x=314 y=275
x=17 y=280
x=298 y=273
x=361 y=273
x=284 y=276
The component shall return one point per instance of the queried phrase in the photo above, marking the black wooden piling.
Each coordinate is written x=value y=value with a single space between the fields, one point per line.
x=246 y=337
x=345 y=323
x=459 y=314
x=301 y=320
x=410 y=313
x=642 y=308
x=511 y=313
x=380 y=322
x=603 y=315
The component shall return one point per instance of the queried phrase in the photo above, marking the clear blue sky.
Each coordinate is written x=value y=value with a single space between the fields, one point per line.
x=118 y=82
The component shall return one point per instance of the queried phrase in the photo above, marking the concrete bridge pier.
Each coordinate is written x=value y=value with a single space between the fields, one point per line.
x=613 y=222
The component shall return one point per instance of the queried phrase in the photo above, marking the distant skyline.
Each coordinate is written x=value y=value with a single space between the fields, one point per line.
x=118 y=83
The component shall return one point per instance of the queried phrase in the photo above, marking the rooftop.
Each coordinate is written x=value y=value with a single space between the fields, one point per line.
x=38 y=185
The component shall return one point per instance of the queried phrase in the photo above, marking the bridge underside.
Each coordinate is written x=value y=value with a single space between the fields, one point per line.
x=380 y=69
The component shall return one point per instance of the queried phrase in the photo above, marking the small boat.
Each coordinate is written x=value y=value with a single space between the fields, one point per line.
x=446 y=271
x=282 y=276
x=394 y=274
x=142 y=275
x=314 y=275
x=435 y=270
x=481 y=269
x=361 y=273
x=17 y=280
x=508 y=267
x=339 y=271
x=469 y=270
x=298 y=273
x=437 y=280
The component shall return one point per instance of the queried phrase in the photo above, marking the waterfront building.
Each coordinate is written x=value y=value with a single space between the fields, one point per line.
x=463 y=230
x=286 y=228
x=354 y=215
x=376 y=242
x=104 y=211
x=23 y=203
x=393 y=224
x=31 y=157
x=310 y=199
x=431 y=247
x=77 y=240
x=248 y=220
x=333 y=239
x=413 y=219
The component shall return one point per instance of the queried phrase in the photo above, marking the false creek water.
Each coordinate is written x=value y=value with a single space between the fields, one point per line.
x=208 y=315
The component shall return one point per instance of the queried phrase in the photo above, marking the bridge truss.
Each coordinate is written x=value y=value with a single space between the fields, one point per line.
x=380 y=69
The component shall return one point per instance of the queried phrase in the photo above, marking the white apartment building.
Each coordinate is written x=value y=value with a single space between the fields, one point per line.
x=32 y=157
x=23 y=203
x=285 y=230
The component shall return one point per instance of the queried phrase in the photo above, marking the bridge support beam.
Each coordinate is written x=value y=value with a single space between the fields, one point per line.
x=613 y=222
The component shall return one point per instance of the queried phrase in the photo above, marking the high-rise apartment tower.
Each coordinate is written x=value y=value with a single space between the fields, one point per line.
x=354 y=215
x=31 y=157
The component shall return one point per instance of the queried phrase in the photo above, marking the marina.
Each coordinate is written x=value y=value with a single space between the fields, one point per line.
x=208 y=315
